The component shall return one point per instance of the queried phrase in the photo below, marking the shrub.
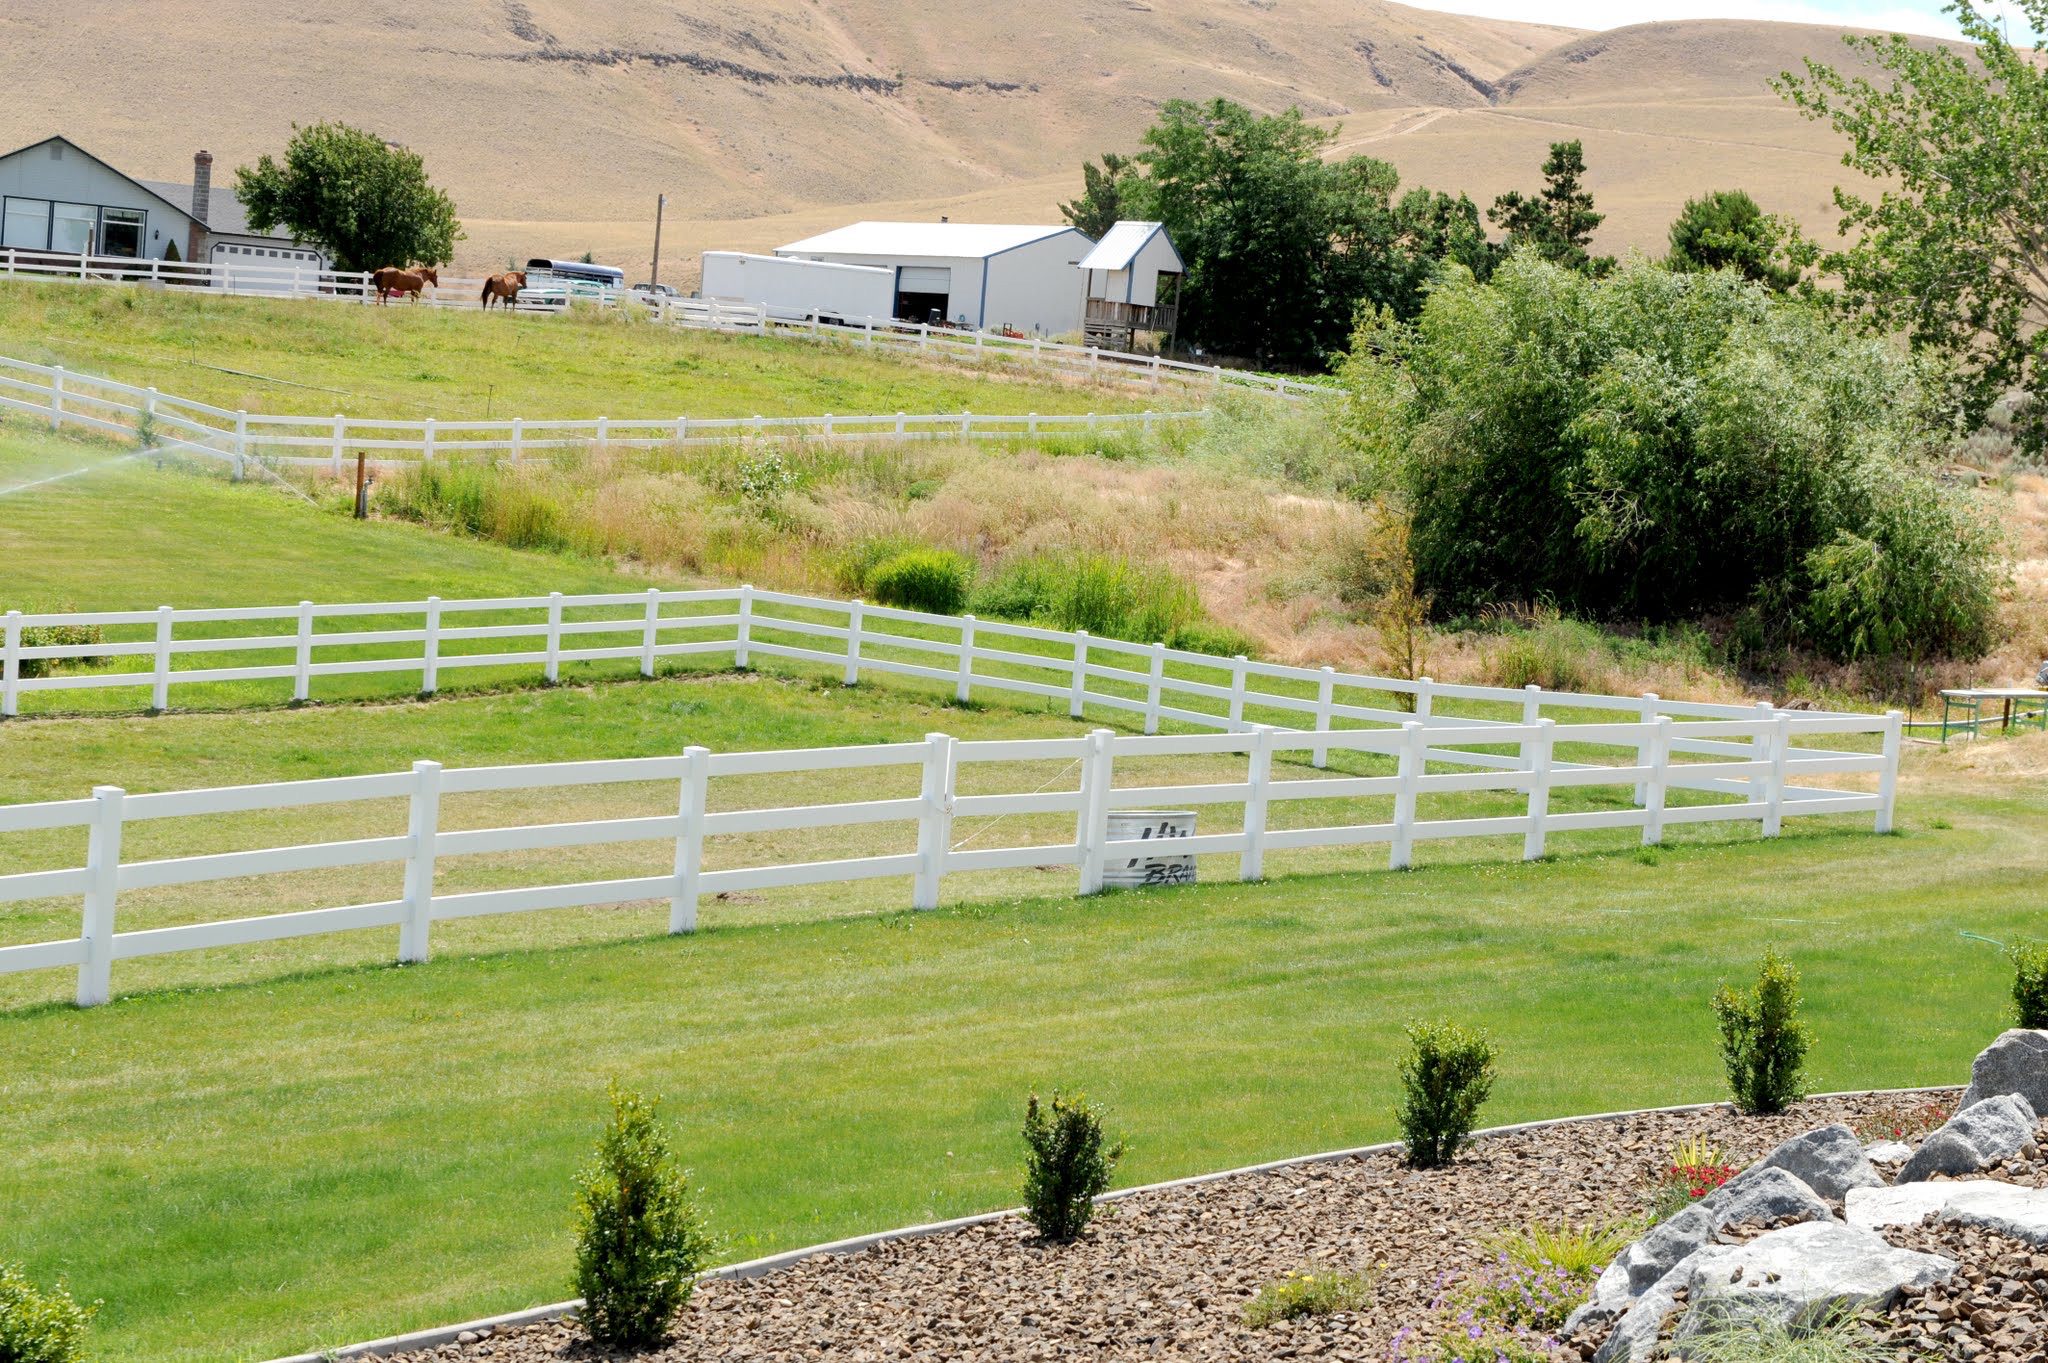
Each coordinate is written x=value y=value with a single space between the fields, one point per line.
x=59 y=636
x=1552 y=652
x=1446 y=1078
x=638 y=1239
x=38 y=1326
x=1304 y=1292
x=2030 y=983
x=1696 y=1168
x=1112 y=597
x=859 y=559
x=1219 y=640
x=930 y=580
x=1066 y=1165
x=1838 y=1337
x=1581 y=1251
x=1763 y=1042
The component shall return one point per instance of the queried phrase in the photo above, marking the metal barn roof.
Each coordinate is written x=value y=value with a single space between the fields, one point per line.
x=968 y=240
x=1120 y=246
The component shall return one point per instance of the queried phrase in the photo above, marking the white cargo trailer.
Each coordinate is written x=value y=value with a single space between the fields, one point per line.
x=797 y=288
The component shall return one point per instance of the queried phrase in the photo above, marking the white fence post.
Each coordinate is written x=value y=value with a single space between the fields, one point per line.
x=241 y=442
x=56 y=397
x=1760 y=751
x=1077 y=690
x=518 y=437
x=1414 y=758
x=1152 y=688
x=553 y=670
x=1326 y=693
x=430 y=657
x=1781 y=751
x=649 y=631
x=1237 y=690
x=1532 y=710
x=1648 y=715
x=934 y=821
x=10 y=667
x=1888 y=778
x=160 y=679
x=1660 y=781
x=102 y=887
x=740 y=640
x=1539 y=751
x=691 y=806
x=604 y=431
x=302 y=667
x=1425 y=698
x=427 y=440
x=422 y=827
x=854 y=615
x=1259 y=775
x=682 y=430
x=1092 y=830
x=964 y=687
x=340 y=434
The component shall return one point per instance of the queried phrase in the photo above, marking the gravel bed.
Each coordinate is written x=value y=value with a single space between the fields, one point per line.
x=1166 y=1275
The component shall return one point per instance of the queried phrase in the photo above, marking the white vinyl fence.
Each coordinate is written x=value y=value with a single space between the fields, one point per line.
x=66 y=398
x=1748 y=757
x=305 y=281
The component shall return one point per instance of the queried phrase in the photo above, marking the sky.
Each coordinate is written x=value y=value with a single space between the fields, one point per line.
x=1900 y=16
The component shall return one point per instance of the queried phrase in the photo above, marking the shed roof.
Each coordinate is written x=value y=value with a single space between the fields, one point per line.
x=1121 y=244
x=225 y=215
x=964 y=240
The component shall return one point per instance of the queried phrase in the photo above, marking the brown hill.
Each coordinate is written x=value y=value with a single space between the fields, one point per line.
x=556 y=122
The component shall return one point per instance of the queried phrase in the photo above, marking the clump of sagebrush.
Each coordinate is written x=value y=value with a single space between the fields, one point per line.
x=1763 y=1042
x=37 y=1325
x=1067 y=1163
x=638 y=1238
x=1307 y=1292
x=2030 y=983
x=1446 y=1077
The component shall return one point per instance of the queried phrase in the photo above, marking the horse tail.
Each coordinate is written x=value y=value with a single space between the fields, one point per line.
x=487 y=291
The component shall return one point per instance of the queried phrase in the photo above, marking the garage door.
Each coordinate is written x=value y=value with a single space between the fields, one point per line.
x=925 y=279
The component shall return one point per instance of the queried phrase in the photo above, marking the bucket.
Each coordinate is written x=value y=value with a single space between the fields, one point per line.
x=1165 y=868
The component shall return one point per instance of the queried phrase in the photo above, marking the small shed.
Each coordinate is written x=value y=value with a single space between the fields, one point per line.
x=981 y=275
x=1134 y=277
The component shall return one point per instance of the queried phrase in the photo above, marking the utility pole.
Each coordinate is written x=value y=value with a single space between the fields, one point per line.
x=660 y=202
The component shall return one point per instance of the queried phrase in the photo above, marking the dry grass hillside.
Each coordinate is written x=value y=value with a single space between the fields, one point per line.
x=555 y=122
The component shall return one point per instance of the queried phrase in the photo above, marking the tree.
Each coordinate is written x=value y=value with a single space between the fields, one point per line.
x=1558 y=223
x=1110 y=192
x=366 y=203
x=1725 y=230
x=1953 y=253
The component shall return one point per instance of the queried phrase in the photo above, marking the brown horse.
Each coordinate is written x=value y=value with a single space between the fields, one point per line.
x=504 y=287
x=391 y=280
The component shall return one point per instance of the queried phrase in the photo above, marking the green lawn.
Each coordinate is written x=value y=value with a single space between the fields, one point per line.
x=317 y=358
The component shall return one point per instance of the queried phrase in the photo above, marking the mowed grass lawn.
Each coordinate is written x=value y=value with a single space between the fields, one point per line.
x=315 y=358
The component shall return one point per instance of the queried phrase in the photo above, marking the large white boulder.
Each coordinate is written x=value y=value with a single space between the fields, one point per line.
x=1974 y=1139
x=2015 y=1063
x=1800 y=1274
x=2008 y=1208
x=1830 y=1161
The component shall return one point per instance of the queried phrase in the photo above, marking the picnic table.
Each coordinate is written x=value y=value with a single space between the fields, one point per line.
x=1963 y=710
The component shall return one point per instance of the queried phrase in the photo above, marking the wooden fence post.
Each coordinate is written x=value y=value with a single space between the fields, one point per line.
x=855 y=614
x=422 y=827
x=160 y=680
x=935 y=821
x=1251 y=864
x=10 y=667
x=1414 y=758
x=553 y=667
x=1092 y=829
x=1781 y=751
x=649 y=631
x=964 y=687
x=1538 y=750
x=746 y=628
x=430 y=656
x=102 y=887
x=1888 y=778
x=1077 y=689
x=302 y=668
x=1660 y=781
x=1152 y=687
x=1326 y=695
x=691 y=806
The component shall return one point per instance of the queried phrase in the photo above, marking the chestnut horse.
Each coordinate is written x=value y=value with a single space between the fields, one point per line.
x=391 y=279
x=504 y=287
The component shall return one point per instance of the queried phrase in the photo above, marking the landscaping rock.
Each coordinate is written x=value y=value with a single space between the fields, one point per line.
x=1830 y=1161
x=1636 y=1334
x=1978 y=1136
x=1800 y=1274
x=1761 y=1196
x=1888 y=1152
x=2014 y=1211
x=1875 y=1209
x=2015 y=1063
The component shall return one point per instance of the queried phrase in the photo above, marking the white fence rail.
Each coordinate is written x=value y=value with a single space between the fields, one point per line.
x=307 y=281
x=66 y=398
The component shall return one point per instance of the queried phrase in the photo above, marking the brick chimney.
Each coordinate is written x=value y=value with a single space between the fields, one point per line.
x=202 y=204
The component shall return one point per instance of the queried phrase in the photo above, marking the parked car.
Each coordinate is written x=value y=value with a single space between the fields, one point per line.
x=647 y=293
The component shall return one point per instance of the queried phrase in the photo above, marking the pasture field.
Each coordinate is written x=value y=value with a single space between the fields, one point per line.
x=309 y=357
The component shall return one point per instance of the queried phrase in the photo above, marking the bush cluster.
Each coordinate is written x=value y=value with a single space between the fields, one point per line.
x=1307 y=1292
x=1107 y=596
x=1763 y=1042
x=1446 y=1077
x=38 y=1326
x=1067 y=1163
x=931 y=580
x=2030 y=983
x=59 y=636
x=638 y=1240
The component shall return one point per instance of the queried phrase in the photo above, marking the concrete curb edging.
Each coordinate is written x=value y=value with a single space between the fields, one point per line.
x=773 y=1263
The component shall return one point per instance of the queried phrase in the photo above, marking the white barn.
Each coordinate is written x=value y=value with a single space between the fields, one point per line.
x=979 y=275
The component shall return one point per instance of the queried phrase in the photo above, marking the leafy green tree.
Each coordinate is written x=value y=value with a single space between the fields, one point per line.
x=1953 y=251
x=1110 y=193
x=1559 y=221
x=1725 y=230
x=366 y=203
x=638 y=1238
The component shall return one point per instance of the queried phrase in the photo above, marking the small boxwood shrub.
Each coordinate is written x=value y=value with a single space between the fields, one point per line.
x=1446 y=1077
x=930 y=580
x=1067 y=1164
x=1306 y=1292
x=638 y=1238
x=1763 y=1042
x=38 y=1326
x=59 y=636
x=2030 y=983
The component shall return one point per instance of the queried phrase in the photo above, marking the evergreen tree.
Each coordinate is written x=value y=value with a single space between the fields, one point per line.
x=1559 y=221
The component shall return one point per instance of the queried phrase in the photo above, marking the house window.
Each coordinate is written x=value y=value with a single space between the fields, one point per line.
x=121 y=232
x=71 y=227
x=26 y=224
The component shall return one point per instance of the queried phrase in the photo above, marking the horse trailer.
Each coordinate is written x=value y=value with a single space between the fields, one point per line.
x=798 y=288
